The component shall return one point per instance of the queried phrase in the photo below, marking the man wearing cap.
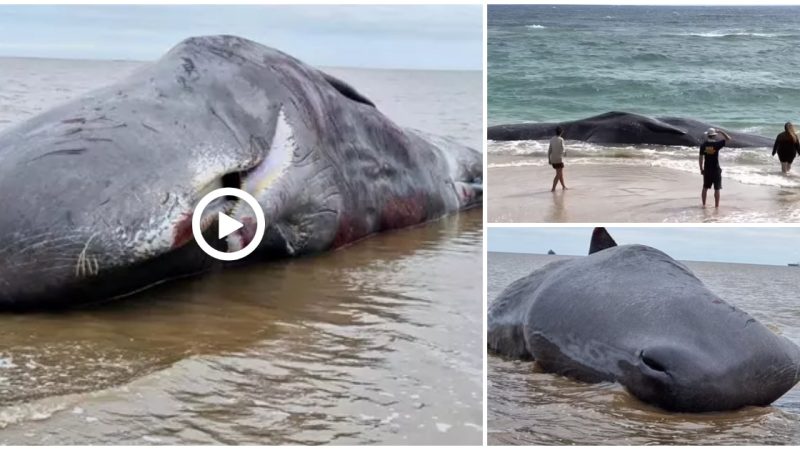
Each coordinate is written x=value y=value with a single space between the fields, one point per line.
x=709 y=163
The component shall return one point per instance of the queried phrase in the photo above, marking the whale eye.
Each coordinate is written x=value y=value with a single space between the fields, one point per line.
x=653 y=364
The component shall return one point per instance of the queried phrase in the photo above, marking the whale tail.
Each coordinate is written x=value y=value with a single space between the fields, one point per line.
x=601 y=240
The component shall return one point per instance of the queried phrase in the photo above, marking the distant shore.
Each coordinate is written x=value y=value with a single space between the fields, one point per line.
x=620 y=193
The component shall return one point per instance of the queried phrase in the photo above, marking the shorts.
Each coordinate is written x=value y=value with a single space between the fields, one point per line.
x=558 y=165
x=786 y=157
x=712 y=179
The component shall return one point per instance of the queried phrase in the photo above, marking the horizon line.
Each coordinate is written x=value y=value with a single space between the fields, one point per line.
x=149 y=61
x=688 y=260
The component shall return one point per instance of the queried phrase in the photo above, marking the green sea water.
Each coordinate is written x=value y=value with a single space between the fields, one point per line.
x=732 y=66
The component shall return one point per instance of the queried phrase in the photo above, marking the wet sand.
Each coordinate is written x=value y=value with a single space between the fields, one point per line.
x=377 y=343
x=620 y=193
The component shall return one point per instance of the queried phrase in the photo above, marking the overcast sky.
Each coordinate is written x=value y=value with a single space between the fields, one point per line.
x=778 y=246
x=412 y=36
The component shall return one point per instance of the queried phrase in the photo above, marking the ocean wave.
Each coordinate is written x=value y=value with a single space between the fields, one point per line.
x=11 y=415
x=726 y=34
x=581 y=149
x=746 y=165
x=753 y=175
x=535 y=27
x=648 y=57
x=527 y=163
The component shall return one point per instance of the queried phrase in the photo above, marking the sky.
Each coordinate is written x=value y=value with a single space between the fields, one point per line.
x=446 y=37
x=778 y=246
x=653 y=2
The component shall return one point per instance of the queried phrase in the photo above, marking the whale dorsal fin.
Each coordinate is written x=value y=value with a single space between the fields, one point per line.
x=601 y=240
x=659 y=126
x=347 y=90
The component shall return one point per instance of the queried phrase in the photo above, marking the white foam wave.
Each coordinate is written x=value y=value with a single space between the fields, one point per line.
x=11 y=415
x=7 y=363
x=535 y=27
x=719 y=34
x=753 y=166
x=533 y=163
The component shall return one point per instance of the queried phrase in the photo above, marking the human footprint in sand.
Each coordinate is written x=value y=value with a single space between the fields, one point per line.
x=555 y=153
x=787 y=147
x=709 y=163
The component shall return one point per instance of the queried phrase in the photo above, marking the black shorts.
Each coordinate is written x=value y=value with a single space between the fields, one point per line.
x=558 y=165
x=786 y=157
x=712 y=178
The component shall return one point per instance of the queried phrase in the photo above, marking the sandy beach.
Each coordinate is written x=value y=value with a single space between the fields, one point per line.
x=623 y=193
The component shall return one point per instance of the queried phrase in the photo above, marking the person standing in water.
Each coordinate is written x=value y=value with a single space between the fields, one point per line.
x=787 y=147
x=555 y=153
x=709 y=163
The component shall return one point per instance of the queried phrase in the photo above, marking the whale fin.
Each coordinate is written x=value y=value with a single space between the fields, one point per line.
x=601 y=240
x=658 y=126
x=347 y=90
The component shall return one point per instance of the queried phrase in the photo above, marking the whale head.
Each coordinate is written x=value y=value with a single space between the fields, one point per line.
x=705 y=376
x=695 y=352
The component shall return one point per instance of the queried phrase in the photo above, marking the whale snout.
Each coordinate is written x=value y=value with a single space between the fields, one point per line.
x=685 y=379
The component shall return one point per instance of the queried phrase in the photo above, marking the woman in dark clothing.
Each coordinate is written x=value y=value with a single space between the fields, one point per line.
x=787 y=147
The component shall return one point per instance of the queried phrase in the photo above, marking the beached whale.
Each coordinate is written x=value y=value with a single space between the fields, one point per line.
x=97 y=195
x=625 y=128
x=633 y=315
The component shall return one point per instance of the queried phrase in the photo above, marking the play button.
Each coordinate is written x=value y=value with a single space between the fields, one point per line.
x=227 y=225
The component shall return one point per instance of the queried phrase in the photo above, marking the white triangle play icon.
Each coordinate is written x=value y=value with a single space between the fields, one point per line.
x=227 y=225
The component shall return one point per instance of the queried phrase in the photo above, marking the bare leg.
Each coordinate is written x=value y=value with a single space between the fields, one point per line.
x=788 y=167
x=703 y=196
x=784 y=167
x=555 y=181
x=561 y=178
x=716 y=198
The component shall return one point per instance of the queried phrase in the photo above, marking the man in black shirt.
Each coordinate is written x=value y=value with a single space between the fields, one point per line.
x=709 y=163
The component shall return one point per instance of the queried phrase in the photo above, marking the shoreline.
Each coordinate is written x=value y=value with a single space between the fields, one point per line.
x=620 y=193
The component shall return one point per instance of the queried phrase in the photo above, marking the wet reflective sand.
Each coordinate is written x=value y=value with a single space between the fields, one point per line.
x=376 y=343
x=526 y=406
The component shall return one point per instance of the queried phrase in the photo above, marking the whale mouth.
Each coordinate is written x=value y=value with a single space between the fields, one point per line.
x=182 y=229
x=260 y=178
x=243 y=237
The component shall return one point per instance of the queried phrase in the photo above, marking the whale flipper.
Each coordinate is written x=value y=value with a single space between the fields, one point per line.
x=601 y=240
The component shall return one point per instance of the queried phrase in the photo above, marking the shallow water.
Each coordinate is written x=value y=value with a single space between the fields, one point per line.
x=526 y=406
x=379 y=342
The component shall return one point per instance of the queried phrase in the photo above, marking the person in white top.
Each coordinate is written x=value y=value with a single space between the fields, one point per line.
x=555 y=153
